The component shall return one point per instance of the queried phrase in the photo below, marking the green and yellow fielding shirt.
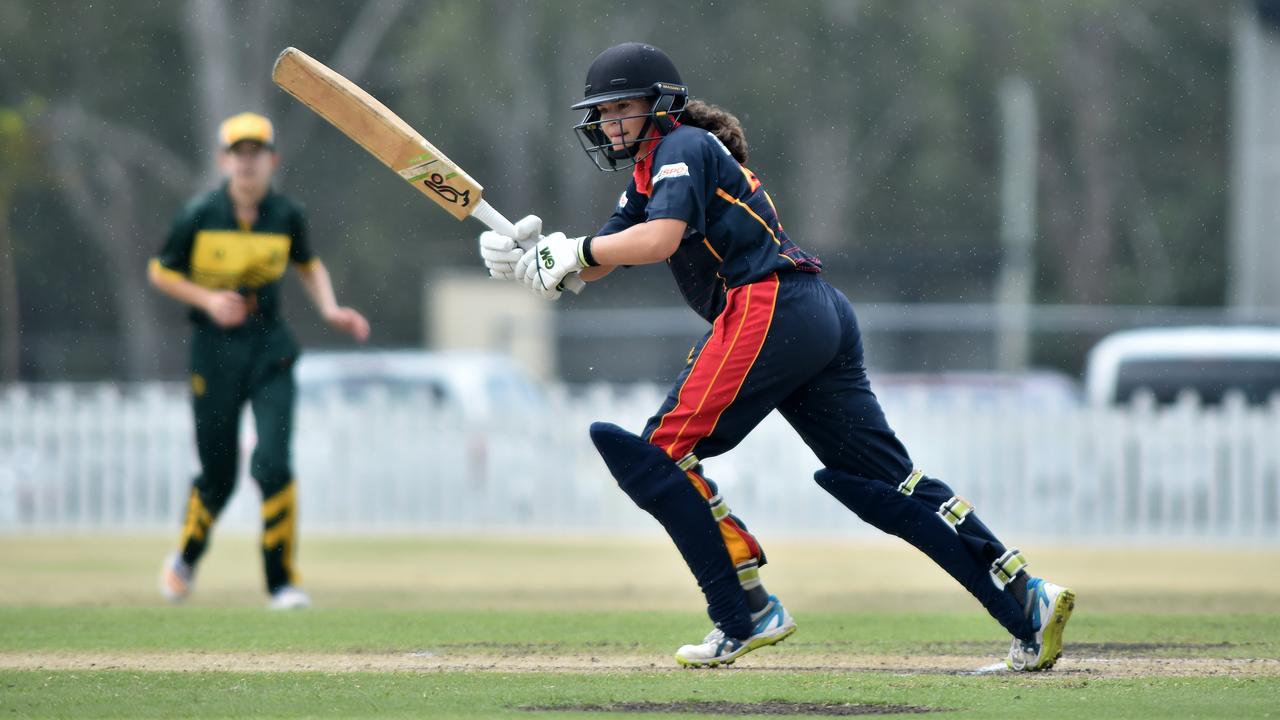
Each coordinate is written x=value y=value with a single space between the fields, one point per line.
x=209 y=247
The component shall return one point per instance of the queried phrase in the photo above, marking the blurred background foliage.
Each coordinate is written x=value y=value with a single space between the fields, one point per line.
x=874 y=123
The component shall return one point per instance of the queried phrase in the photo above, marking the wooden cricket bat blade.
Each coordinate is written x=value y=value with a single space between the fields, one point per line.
x=377 y=129
x=372 y=125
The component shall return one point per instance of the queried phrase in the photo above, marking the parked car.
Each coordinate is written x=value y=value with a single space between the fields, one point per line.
x=488 y=394
x=1035 y=388
x=480 y=385
x=1166 y=362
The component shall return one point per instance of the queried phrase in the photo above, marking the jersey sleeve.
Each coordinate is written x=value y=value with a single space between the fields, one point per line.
x=300 y=241
x=679 y=186
x=628 y=212
x=175 y=255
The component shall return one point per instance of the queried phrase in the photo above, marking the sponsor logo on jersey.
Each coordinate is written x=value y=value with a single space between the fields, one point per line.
x=670 y=171
x=622 y=200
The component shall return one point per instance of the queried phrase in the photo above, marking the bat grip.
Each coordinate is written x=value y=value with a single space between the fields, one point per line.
x=498 y=223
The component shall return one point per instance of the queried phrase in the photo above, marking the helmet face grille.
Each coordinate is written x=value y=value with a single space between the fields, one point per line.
x=596 y=143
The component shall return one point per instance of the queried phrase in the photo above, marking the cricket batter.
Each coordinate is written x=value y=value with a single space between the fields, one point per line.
x=781 y=338
x=225 y=256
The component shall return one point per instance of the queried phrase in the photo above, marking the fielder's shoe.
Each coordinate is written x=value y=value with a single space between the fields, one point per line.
x=289 y=597
x=772 y=625
x=176 y=578
x=1050 y=608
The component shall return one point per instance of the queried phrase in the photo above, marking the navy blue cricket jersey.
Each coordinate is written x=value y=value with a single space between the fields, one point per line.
x=733 y=237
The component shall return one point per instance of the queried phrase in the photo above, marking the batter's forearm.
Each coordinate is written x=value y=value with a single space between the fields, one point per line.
x=592 y=274
x=648 y=242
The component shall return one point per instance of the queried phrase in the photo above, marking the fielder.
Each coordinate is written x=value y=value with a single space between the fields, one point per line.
x=781 y=339
x=225 y=256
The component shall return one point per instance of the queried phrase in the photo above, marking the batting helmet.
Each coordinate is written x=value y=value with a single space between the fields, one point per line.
x=629 y=70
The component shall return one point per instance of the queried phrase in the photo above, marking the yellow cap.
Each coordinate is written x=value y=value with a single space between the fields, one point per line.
x=246 y=126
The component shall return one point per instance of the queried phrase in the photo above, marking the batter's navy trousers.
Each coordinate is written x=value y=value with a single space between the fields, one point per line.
x=791 y=342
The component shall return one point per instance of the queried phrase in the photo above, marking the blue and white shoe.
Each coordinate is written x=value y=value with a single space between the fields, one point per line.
x=772 y=625
x=1050 y=609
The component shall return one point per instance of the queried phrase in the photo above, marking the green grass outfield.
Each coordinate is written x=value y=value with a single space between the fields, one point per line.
x=496 y=695
x=492 y=628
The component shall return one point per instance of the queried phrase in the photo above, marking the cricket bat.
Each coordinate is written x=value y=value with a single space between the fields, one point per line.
x=387 y=137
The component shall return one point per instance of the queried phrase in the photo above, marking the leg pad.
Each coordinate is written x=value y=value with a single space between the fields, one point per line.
x=928 y=514
x=656 y=483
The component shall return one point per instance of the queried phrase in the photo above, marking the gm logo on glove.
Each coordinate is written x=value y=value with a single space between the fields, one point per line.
x=548 y=261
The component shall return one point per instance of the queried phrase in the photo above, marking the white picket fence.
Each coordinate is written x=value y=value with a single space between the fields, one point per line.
x=107 y=457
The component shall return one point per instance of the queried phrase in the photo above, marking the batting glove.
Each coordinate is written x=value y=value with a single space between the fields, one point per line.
x=550 y=261
x=501 y=252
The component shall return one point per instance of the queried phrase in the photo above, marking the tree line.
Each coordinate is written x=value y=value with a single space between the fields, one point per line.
x=874 y=123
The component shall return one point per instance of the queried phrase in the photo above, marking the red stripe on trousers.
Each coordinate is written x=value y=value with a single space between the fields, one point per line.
x=717 y=375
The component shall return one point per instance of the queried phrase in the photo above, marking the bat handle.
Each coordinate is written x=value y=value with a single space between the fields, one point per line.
x=498 y=223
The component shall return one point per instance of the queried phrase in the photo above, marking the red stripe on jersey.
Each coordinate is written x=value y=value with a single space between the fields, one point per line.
x=643 y=171
x=717 y=375
x=643 y=175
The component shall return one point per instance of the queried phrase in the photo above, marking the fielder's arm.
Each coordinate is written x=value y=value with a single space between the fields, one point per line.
x=319 y=287
x=226 y=308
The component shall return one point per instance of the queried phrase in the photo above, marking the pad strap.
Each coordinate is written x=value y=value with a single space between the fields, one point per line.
x=908 y=486
x=719 y=509
x=1007 y=566
x=749 y=574
x=954 y=511
x=688 y=462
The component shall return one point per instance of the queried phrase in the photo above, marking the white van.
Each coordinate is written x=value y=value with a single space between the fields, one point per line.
x=1209 y=361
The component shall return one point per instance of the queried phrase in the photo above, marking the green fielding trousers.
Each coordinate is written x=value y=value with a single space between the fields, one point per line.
x=250 y=364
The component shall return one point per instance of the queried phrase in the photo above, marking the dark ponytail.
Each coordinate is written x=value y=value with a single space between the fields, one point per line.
x=718 y=122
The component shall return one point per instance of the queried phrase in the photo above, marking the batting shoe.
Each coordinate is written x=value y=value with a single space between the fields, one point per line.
x=289 y=597
x=771 y=625
x=1049 y=607
x=177 y=578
